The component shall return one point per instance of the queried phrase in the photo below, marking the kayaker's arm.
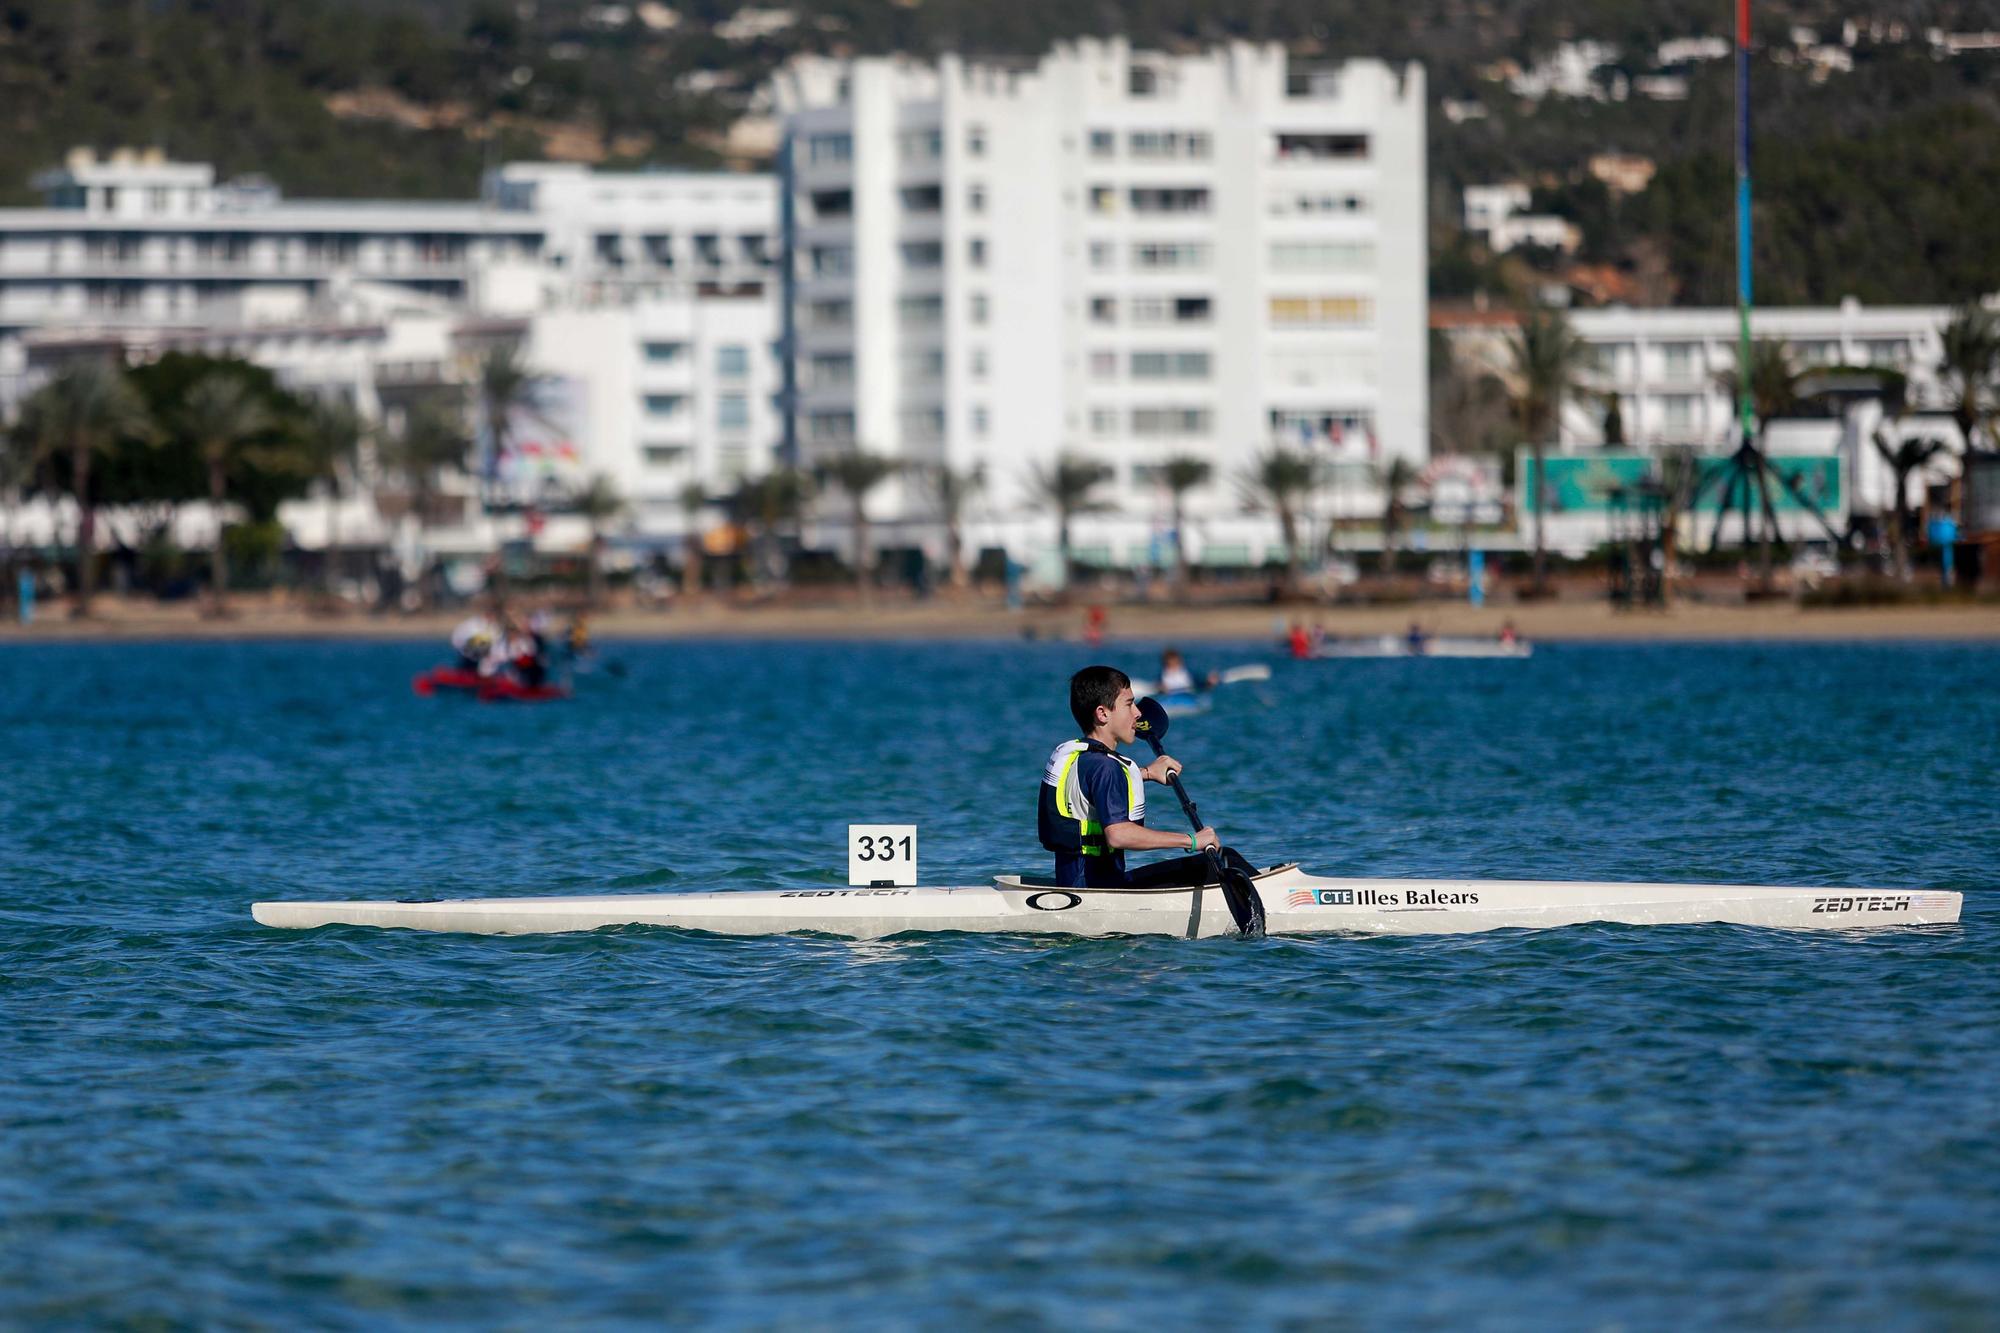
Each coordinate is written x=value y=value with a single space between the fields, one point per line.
x=1126 y=836
x=1159 y=770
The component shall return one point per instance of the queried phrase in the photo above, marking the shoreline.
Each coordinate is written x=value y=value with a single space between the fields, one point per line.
x=976 y=620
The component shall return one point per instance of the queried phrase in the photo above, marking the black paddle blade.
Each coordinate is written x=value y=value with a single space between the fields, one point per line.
x=1152 y=721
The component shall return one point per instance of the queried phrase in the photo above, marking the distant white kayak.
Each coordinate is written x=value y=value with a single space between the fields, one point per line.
x=1248 y=673
x=1399 y=645
x=1297 y=903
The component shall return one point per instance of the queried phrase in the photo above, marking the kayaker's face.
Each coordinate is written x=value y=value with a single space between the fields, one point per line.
x=1122 y=718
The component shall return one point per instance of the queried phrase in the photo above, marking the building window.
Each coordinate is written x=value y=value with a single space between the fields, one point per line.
x=663 y=404
x=830 y=427
x=827 y=149
x=975 y=141
x=979 y=422
x=975 y=198
x=923 y=198
x=1103 y=143
x=1101 y=253
x=1322 y=256
x=1103 y=199
x=665 y=353
x=1170 y=365
x=979 y=307
x=1174 y=199
x=923 y=254
x=732 y=411
x=1104 y=365
x=832 y=261
x=979 y=363
x=1104 y=310
x=1103 y=421
x=1170 y=254
x=920 y=145
x=1678 y=411
x=829 y=314
x=832 y=371
x=975 y=252
x=665 y=455
x=1169 y=421
x=920 y=312
x=1322 y=311
x=1679 y=359
x=1323 y=147
x=732 y=361
x=832 y=205
x=923 y=367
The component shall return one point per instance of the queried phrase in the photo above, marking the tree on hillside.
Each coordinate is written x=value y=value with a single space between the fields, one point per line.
x=1547 y=358
x=221 y=417
x=1181 y=474
x=1282 y=480
x=857 y=472
x=78 y=416
x=1069 y=487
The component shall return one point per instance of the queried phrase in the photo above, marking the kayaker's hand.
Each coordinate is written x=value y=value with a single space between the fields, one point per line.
x=1208 y=840
x=1162 y=768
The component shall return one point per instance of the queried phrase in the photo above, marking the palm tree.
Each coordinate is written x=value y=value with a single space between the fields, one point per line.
x=599 y=503
x=1396 y=478
x=953 y=491
x=1971 y=339
x=80 y=414
x=1066 y=486
x=1281 y=480
x=221 y=417
x=1774 y=392
x=1547 y=359
x=694 y=500
x=1677 y=474
x=330 y=437
x=1182 y=474
x=763 y=505
x=857 y=472
x=431 y=441
x=503 y=387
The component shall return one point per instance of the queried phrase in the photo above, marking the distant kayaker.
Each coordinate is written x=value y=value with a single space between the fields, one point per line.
x=1177 y=678
x=1092 y=806
x=472 y=640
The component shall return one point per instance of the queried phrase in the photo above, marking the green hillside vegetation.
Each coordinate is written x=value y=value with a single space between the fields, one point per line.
x=1869 y=184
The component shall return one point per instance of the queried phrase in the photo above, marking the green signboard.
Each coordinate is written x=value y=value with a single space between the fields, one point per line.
x=1602 y=483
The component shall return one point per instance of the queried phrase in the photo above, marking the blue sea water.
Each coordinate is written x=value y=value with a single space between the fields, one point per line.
x=204 y=1122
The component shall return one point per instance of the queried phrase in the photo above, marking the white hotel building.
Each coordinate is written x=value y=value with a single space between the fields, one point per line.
x=1121 y=256
x=657 y=291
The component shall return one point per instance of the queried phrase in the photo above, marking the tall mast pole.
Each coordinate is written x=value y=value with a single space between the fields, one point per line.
x=1745 y=405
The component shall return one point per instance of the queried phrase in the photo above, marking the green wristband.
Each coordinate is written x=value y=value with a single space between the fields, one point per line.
x=1194 y=842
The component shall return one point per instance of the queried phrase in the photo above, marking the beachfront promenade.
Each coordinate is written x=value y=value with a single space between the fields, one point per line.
x=834 y=616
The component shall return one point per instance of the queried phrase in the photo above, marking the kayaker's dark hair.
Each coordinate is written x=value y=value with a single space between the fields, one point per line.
x=1093 y=688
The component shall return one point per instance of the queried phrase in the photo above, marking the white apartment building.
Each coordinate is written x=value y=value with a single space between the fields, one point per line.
x=655 y=292
x=1117 y=255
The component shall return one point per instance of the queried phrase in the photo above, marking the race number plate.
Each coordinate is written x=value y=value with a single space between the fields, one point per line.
x=882 y=854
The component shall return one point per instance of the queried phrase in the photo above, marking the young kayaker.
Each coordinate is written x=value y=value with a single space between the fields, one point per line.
x=1093 y=801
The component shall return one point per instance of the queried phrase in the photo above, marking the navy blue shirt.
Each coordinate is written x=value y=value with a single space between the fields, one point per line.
x=1105 y=786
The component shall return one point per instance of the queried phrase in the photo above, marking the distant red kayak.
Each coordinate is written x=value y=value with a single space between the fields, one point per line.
x=488 y=689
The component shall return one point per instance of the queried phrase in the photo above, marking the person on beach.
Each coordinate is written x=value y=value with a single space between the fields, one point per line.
x=1092 y=803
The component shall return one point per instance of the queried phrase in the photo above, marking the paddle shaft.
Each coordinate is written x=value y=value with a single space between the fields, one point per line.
x=1244 y=904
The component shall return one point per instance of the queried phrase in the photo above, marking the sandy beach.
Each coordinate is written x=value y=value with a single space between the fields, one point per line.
x=838 y=617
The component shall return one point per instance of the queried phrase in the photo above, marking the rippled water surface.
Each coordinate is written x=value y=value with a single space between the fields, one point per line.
x=203 y=1121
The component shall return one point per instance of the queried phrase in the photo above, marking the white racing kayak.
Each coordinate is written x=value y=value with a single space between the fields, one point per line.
x=1398 y=645
x=1296 y=903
